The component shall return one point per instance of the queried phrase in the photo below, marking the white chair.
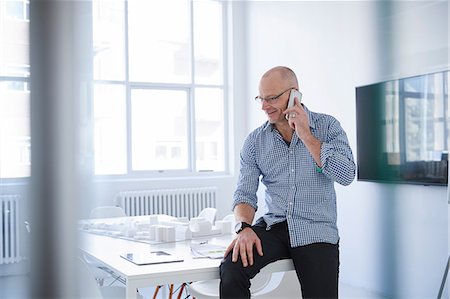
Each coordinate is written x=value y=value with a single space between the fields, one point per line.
x=209 y=214
x=88 y=288
x=266 y=284
x=98 y=269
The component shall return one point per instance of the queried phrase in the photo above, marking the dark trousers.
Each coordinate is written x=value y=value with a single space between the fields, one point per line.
x=317 y=265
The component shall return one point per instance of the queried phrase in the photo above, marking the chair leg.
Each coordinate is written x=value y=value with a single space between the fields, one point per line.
x=181 y=290
x=156 y=292
x=171 y=291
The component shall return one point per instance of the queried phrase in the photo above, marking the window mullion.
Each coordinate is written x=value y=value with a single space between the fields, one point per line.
x=127 y=90
x=191 y=119
x=191 y=134
x=226 y=104
x=445 y=79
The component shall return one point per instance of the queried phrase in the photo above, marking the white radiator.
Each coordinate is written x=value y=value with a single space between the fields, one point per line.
x=9 y=229
x=187 y=202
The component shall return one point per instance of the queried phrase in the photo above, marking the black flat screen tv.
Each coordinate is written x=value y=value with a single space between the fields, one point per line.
x=403 y=130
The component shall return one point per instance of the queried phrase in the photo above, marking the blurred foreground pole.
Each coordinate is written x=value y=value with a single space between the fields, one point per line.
x=60 y=53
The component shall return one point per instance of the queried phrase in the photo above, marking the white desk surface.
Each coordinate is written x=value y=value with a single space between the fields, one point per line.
x=108 y=249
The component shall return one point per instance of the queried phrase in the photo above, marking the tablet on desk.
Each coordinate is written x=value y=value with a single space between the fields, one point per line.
x=150 y=257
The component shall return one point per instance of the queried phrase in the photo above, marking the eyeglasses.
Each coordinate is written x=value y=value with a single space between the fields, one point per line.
x=273 y=99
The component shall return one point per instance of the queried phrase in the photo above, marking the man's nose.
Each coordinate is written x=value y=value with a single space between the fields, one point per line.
x=264 y=104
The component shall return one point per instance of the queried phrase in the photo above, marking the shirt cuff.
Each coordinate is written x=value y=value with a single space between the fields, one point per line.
x=245 y=201
x=326 y=151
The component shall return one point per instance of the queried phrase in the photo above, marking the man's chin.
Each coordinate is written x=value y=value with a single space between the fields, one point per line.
x=274 y=120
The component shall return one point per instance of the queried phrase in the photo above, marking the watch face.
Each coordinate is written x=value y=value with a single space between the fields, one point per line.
x=238 y=227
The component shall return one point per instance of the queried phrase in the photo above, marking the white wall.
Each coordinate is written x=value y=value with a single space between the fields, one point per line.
x=393 y=237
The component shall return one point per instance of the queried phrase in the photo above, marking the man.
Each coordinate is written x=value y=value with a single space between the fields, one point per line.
x=299 y=155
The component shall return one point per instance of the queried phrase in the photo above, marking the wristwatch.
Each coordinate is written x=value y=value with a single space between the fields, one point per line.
x=240 y=225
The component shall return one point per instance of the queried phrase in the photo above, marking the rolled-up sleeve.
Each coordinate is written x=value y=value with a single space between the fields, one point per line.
x=248 y=181
x=336 y=155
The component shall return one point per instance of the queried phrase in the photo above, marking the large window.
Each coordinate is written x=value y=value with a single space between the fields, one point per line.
x=158 y=98
x=159 y=103
x=14 y=90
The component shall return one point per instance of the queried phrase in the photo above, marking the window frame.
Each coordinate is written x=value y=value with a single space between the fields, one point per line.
x=25 y=16
x=190 y=88
x=22 y=74
x=26 y=81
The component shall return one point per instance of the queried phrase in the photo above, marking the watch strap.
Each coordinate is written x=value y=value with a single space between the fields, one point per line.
x=243 y=226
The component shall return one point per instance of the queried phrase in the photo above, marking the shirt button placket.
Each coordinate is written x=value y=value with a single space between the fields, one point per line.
x=292 y=184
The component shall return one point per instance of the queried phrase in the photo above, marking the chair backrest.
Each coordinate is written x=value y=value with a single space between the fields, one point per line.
x=267 y=284
x=107 y=212
x=259 y=282
x=264 y=277
x=282 y=284
x=87 y=285
x=209 y=289
x=209 y=214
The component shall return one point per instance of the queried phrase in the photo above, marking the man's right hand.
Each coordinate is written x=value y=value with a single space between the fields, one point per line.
x=242 y=246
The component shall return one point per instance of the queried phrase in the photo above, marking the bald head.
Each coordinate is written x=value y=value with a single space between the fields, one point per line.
x=283 y=74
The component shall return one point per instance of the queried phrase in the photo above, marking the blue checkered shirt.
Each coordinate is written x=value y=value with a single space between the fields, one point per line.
x=296 y=189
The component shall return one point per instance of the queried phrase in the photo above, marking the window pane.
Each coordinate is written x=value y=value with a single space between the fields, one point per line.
x=14 y=46
x=447 y=104
x=159 y=129
x=15 y=9
x=209 y=125
x=110 y=129
x=208 y=38
x=424 y=117
x=159 y=41
x=14 y=131
x=109 y=38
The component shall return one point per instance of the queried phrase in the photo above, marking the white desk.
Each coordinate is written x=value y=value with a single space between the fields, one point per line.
x=107 y=250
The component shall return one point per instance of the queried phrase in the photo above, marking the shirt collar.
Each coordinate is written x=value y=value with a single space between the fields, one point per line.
x=311 y=119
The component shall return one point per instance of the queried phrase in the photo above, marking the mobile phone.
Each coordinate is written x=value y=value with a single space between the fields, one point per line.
x=294 y=94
